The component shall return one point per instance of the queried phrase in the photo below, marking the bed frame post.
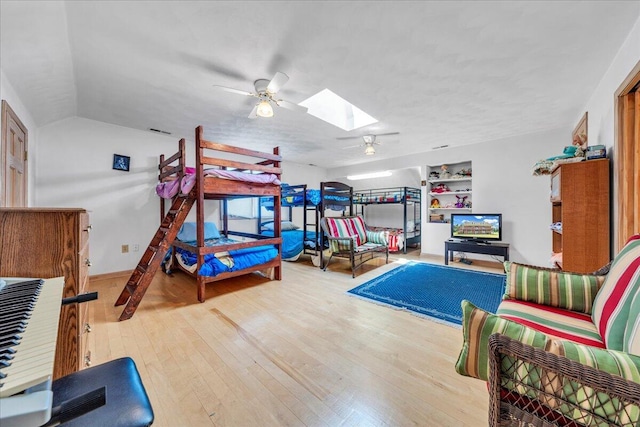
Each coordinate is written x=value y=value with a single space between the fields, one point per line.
x=277 y=217
x=162 y=207
x=200 y=210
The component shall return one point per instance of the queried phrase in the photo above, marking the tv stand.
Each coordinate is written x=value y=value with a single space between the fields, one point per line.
x=476 y=247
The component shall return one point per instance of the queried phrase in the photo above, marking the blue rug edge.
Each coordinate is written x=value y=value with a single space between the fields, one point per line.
x=406 y=310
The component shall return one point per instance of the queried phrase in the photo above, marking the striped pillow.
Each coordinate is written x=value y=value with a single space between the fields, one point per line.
x=477 y=326
x=571 y=291
x=612 y=304
x=615 y=363
x=631 y=343
x=379 y=237
x=347 y=227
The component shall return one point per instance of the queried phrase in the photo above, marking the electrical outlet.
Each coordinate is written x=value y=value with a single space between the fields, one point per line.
x=136 y=247
x=125 y=249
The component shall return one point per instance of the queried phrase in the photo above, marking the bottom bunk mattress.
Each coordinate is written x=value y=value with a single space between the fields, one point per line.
x=227 y=261
x=294 y=242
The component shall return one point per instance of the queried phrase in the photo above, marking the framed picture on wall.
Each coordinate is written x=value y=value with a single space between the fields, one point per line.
x=579 y=134
x=121 y=162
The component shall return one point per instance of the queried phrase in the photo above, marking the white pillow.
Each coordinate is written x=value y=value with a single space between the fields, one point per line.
x=188 y=230
x=285 y=226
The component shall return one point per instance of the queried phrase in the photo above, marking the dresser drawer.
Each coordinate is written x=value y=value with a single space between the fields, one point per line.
x=85 y=264
x=85 y=229
x=86 y=335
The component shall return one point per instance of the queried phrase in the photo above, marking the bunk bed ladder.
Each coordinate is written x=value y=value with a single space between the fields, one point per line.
x=152 y=258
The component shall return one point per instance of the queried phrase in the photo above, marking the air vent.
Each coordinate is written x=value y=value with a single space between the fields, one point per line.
x=160 y=131
x=440 y=147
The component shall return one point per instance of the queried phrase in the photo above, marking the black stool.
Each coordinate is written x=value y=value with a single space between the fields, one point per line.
x=127 y=401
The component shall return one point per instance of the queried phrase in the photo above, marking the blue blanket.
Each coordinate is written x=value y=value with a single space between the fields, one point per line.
x=292 y=241
x=238 y=259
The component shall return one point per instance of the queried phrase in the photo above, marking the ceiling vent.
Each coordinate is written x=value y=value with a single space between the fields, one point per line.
x=160 y=131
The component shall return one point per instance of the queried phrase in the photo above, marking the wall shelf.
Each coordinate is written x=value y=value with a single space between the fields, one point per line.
x=460 y=187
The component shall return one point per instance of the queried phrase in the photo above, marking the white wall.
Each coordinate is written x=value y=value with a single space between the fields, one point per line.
x=74 y=170
x=601 y=104
x=502 y=183
x=8 y=94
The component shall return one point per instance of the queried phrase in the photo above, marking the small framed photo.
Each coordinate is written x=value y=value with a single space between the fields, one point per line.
x=121 y=162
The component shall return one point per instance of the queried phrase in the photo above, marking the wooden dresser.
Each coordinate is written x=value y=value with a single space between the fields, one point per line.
x=45 y=243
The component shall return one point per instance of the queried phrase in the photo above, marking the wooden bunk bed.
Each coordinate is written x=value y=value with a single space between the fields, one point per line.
x=409 y=199
x=212 y=178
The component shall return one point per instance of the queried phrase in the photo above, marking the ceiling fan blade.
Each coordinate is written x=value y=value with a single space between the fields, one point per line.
x=386 y=134
x=348 y=137
x=239 y=92
x=352 y=146
x=291 y=106
x=253 y=114
x=277 y=82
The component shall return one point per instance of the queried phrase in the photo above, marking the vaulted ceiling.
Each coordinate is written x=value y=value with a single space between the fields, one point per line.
x=440 y=73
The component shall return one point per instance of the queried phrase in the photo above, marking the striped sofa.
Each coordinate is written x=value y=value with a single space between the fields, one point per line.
x=349 y=238
x=590 y=320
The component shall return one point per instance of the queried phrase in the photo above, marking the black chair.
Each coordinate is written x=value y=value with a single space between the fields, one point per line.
x=127 y=404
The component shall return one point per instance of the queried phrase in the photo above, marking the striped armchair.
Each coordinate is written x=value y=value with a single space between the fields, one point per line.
x=349 y=238
x=564 y=347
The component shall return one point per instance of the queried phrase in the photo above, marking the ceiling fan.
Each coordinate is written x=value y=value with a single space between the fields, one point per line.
x=265 y=91
x=369 y=141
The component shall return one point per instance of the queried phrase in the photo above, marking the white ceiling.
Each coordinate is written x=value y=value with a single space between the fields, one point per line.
x=439 y=73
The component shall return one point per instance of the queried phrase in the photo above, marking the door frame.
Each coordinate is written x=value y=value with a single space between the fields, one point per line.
x=7 y=112
x=629 y=85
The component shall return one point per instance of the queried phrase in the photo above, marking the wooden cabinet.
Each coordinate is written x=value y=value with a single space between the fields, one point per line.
x=449 y=192
x=49 y=243
x=580 y=202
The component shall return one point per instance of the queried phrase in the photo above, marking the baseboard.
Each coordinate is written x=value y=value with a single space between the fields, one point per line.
x=113 y=275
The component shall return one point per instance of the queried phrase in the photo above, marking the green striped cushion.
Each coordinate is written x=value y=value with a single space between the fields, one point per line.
x=554 y=288
x=631 y=343
x=612 y=304
x=614 y=362
x=379 y=237
x=477 y=326
x=343 y=244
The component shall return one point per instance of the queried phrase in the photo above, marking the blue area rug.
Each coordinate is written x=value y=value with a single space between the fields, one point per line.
x=433 y=290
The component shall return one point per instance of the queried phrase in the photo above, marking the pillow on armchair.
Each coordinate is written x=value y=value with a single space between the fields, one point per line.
x=612 y=304
x=477 y=326
x=551 y=287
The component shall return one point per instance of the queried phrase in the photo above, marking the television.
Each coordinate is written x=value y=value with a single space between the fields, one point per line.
x=477 y=227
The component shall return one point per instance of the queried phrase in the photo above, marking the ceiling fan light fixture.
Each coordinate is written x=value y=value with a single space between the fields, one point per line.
x=369 y=151
x=264 y=109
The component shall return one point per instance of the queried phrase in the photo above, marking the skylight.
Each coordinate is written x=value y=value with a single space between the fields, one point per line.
x=333 y=109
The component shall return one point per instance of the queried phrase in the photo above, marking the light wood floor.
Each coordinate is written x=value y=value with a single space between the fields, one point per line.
x=296 y=352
